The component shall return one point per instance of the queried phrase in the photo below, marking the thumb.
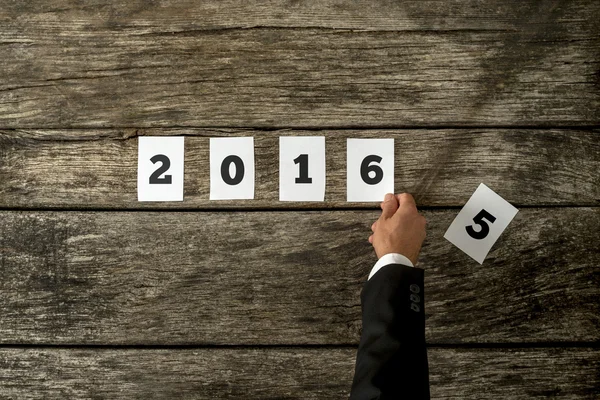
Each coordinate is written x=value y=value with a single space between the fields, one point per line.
x=390 y=206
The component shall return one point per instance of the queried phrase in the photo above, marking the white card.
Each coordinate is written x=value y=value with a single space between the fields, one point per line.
x=370 y=169
x=160 y=168
x=232 y=168
x=302 y=168
x=480 y=223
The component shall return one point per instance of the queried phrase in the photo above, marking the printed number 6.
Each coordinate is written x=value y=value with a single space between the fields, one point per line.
x=166 y=164
x=479 y=220
x=365 y=168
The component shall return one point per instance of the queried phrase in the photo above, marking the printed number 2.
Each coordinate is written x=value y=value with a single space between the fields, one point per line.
x=166 y=164
x=479 y=220
x=303 y=161
x=365 y=168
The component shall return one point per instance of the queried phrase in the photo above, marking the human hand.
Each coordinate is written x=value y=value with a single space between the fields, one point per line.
x=400 y=229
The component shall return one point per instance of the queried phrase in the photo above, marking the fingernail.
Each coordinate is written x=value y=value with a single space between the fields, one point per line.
x=388 y=197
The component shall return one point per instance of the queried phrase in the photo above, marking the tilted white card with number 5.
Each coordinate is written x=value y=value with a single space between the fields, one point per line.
x=480 y=223
x=370 y=169
x=160 y=168
x=301 y=168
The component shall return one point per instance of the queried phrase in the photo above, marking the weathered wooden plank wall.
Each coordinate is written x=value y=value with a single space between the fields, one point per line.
x=98 y=168
x=123 y=302
x=210 y=278
x=283 y=373
x=108 y=65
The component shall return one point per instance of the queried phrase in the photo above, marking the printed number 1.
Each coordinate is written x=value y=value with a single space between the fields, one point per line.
x=303 y=161
x=479 y=220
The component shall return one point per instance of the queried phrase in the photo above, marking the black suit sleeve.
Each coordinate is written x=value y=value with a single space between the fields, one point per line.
x=392 y=358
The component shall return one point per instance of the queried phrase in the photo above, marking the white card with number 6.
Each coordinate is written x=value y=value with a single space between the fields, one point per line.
x=160 y=168
x=480 y=223
x=302 y=168
x=369 y=169
x=232 y=168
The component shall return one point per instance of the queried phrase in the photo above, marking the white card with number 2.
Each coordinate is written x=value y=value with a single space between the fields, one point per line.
x=480 y=223
x=370 y=169
x=160 y=168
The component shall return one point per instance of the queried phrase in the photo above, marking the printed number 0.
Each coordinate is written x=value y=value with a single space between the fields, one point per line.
x=303 y=161
x=479 y=220
x=365 y=168
x=166 y=164
x=239 y=170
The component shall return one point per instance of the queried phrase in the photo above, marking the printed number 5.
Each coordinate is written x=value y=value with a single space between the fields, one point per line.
x=479 y=220
x=166 y=164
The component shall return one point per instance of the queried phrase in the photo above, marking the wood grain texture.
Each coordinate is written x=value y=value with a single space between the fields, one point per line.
x=292 y=278
x=98 y=168
x=135 y=65
x=286 y=373
x=180 y=15
x=282 y=278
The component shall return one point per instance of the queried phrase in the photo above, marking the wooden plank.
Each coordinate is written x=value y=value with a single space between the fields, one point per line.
x=179 y=15
x=286 y=373
x=282 y=278
x=98 y=168
x=128 y=65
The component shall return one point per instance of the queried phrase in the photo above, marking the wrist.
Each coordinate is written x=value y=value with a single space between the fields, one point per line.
x=390 y=258
x=411 y=257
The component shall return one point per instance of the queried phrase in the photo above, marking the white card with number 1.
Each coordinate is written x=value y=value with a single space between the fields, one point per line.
x=302 y=168
x=480 y=223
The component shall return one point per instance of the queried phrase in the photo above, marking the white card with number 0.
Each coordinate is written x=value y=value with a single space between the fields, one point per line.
x=480 y=223
x=232 y=168
x=302 y=168
x=370 y=169
x=160 y=168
